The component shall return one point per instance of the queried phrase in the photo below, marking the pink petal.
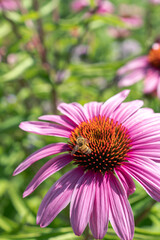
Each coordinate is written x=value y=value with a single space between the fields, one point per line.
x=93 y=109
x=61 y=119
x=145 y=128
x=120 y=215
x=44 y=128
x=148 y=175
x=150 y=145
x=151 y=139
x=112 y=103
x=140 y=62
x=82 y=202
x=73 y=112
x=58 y=197
x=100 y=213
x=132 y=78
x=49 y=168
x=151 y=81
x=153 y=155
x=46 y=151
x=138 y=159
x=139 y=116
x=82 y=111
x=126 y=181
x=125 y=110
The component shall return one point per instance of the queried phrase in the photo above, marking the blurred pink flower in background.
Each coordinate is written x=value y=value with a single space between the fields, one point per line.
x=131 y=15
x=145 y=67
x=78 y=5
x=117 y=32
x=123 y=141
x=104 y=7
x=155 y=1
x=9 y=5
x=12 y=58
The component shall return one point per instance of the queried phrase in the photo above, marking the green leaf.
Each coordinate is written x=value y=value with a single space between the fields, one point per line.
x=97 y=21
x=10 y=123
x=7 y=224
x=18 y=70
x=19 y=204
x=48 y=8
x=5 y=29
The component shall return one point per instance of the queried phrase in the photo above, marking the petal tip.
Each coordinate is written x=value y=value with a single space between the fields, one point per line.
x=41 y=117
x=38 y=220
x=42 y=225
x=25 y=194
x=125 y=92
x=16 y=171
x=22 y=125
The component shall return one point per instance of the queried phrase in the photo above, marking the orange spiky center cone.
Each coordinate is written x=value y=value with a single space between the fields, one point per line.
x=154 y=55
x=108 y=141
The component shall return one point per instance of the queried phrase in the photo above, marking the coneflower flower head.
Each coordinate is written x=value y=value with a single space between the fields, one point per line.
x=109 y=143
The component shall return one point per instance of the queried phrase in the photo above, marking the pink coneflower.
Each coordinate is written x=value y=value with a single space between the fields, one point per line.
x=147 y=67
x=118 y=33
x=8 y=5
x=101 y=7
x=131 y=15
x=121 y=141
x=104 y=7
x=78 y=5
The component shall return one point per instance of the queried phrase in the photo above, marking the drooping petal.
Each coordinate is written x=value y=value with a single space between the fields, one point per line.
x=49 y=168
x=151 y=80
x=148 y=175
x=100 y=213
x=120 y=212
x=61 y=119
x=112 y=103
x=44 y=128
x=132 y=78
x=73 y=112
x=125 y=110
x=46 y=151
x=58 y=197
x=126 y=181
x=140 y=62
x=82 y=202
x=93 y=109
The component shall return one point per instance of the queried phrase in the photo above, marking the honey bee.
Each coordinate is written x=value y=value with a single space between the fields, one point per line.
x=81 y=145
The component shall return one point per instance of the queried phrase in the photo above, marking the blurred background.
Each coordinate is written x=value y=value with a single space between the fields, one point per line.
x=56 y=51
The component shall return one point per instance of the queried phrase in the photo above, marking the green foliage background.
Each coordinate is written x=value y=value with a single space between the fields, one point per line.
x=30 y=87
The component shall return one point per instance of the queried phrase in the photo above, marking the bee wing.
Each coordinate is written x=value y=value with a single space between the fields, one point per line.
x=74 y=150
